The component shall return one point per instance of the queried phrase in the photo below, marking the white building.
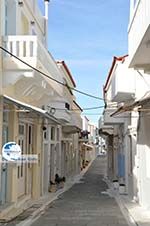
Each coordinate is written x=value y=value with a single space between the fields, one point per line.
x=122 y=92
x=139 y=59
x=44 y=129
x=88 y=142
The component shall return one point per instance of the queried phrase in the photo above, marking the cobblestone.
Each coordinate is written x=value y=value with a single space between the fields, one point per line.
x=85 y=204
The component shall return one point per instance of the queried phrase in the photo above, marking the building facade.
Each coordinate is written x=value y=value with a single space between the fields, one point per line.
x=124 y=90
x=139 y=59
x=88 y=142
x=31 y=106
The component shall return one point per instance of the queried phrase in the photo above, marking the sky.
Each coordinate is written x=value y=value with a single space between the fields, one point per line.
x=86 y=34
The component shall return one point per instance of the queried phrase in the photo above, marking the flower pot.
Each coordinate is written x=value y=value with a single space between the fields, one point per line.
x=52 y=188
x=121 y=189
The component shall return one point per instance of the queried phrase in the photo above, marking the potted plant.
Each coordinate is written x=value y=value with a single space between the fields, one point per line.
x=116 y=184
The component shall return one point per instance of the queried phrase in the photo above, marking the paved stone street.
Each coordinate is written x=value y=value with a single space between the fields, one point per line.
x=85 y=204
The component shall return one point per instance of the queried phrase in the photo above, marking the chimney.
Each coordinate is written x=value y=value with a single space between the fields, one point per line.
x=46 y=2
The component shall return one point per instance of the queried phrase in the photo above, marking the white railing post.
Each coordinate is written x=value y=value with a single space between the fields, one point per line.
x=28 y=54
x=14 y=49
x=8 y=45
x=35 y=47
x=21 y=48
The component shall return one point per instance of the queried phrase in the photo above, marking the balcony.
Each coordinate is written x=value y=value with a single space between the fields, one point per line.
x=104 y=129
x=60 y=112
x=32 y=51
x=123 y=84
x=109 y=120
x=76 y=120
x=75 y=124
x=139 y=36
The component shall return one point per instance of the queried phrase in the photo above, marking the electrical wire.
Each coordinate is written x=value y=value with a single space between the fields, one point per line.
x=77 y=109
x=64 y=109
x=92 y=108
x=49 y=77
x=93 y=114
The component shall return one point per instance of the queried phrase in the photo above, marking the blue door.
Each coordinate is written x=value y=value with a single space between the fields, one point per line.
x=121 y=165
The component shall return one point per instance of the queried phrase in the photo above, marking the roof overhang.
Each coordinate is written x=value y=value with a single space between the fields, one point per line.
x=106 y=131
x=136 y=106
x=115 y=60
x=31 y=108
x=70 y=129
x=88 y=146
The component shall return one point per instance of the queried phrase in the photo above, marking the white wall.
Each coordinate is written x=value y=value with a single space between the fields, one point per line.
x=127 y=83
x=142 y=84
x=138 y=25
x=144 y=161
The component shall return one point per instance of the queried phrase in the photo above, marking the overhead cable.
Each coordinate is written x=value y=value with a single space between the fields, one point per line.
x=77 y=109
x=49 y=77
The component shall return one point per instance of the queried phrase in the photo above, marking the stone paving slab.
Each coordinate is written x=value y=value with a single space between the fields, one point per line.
x=85 y=204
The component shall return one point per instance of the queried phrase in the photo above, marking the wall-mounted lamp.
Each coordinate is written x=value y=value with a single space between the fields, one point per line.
x=32 y=22
x=44 y=128
x=52 y=111
x=20 y=3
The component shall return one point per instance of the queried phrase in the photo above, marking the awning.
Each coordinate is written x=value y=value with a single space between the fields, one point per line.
x=90 y=147
x=70 y=129
x=122 y=109
x=134 y=106
x=31 y=108
x=106 y=131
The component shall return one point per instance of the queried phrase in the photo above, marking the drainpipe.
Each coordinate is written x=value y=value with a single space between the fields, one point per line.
x=46 y=2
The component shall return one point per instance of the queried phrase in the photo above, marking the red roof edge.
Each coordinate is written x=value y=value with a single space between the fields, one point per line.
x=68 y=71
x=115 y=59
x=77 y=105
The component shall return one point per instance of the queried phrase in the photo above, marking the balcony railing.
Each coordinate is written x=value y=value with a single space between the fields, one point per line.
x=32 y=51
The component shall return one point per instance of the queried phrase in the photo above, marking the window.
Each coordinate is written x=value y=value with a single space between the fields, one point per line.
x=21 y=129
x=45 y=135
x=57 y=134
x=52 y=133
x=67 y=106
x=5 y=116
x=10 y=17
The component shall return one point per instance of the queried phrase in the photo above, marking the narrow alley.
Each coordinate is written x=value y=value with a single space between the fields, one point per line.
x=85 y=204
